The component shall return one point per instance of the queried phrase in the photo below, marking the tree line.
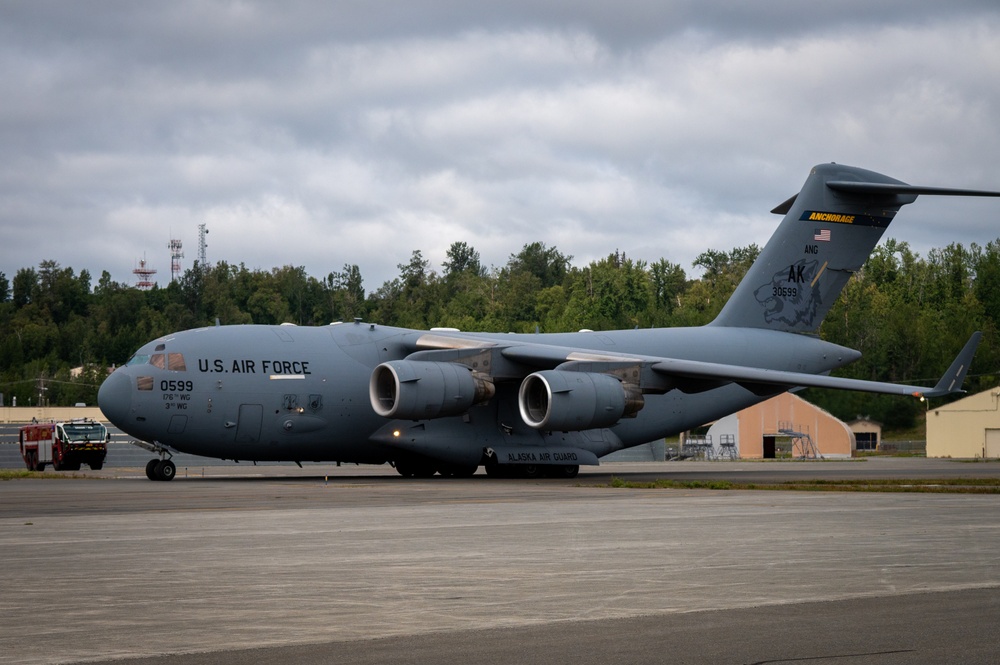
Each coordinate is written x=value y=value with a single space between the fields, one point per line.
x=907 y=314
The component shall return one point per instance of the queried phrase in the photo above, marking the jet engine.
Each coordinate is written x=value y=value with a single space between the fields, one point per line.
x=418 y=389
x=557 y=400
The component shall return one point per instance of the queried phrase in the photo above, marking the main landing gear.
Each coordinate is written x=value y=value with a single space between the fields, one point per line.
x=531 y=470
x=161 y=469
x=427 y=468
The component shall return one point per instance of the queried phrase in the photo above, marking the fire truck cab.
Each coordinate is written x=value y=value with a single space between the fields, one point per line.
x=65 y=445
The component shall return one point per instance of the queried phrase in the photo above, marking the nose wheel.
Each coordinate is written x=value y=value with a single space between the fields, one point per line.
x=157 y=469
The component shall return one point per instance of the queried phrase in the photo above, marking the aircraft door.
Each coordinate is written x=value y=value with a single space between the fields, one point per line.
x=248 y=424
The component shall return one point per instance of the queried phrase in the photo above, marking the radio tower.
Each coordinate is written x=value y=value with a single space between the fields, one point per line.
x=175 y=258
x=143 y=274
x=202 y=245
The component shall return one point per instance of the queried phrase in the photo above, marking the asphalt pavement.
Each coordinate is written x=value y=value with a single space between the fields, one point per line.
x=357 y=565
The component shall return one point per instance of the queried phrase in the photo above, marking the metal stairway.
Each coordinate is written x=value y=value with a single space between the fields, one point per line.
x=803 y=446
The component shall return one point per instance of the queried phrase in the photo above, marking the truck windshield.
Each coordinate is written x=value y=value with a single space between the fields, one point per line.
x=84 y=431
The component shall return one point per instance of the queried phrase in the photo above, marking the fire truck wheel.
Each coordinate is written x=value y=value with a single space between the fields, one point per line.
x=96 y=466
x=151 y=468
x=166 y=470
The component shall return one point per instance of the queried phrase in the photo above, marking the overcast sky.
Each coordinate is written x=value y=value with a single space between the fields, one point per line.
x=320 y=134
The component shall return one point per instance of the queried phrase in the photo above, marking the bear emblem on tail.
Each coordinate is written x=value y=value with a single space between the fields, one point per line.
x=792 y=297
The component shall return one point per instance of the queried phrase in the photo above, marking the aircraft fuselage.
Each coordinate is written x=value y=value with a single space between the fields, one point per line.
x=302 y=393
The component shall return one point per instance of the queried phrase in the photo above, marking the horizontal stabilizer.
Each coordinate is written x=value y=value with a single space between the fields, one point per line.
x=901 y=189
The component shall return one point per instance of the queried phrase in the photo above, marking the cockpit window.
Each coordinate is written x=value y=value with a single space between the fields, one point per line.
x=175 y=361
x=144 y=383
x=171 y=361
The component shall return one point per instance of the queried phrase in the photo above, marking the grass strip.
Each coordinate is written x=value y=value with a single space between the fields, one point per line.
x=18 y=474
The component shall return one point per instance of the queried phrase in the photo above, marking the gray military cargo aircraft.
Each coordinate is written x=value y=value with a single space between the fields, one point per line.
x=444 y=401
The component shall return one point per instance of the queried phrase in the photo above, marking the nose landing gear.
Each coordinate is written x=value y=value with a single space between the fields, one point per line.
x=158 y=469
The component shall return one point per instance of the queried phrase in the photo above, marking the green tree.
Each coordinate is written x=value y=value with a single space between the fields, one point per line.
x=345 y=296
x=615 y=292
x=668 y=283
x=461 y=258
x=723 y=272
x=547 y=264
x=25 y=282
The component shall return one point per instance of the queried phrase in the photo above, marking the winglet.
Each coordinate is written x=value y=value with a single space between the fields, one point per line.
x=952 y=380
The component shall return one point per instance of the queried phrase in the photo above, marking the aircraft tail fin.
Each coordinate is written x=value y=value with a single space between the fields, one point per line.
x=829 y=229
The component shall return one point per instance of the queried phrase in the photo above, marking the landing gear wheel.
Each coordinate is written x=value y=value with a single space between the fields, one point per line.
x=566 y=471
x=404 y=468
x=416 y=468
x=531 y=471
x=166 y=470
x=458 y=470
x=494 y=470
x=160 y=469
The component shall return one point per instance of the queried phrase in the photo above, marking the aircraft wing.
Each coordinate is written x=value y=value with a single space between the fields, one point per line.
x=755 y=379
x=690 y=376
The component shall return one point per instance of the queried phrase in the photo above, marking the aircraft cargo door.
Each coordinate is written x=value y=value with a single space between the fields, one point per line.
x=248 y=425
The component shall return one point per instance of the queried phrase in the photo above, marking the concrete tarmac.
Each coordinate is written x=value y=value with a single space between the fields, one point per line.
x=355 y=565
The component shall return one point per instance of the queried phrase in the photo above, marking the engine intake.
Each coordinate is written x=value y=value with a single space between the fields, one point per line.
x=418 y=390
x=571 y=401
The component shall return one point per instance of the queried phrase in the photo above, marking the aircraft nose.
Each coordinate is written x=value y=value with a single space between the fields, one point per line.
x=115 y=398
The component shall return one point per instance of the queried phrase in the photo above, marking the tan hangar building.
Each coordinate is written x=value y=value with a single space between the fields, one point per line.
x=787 y=423
x=967 y=428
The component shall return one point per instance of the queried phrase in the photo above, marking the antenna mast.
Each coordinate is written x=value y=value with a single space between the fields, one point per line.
x=176 y=254
x=202 y=245
x=143 y=273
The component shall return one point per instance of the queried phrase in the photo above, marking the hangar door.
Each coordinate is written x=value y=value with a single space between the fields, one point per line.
x=866 y=440
x=993 y=443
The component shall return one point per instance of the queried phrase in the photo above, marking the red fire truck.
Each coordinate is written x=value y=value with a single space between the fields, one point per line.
x=64 y=445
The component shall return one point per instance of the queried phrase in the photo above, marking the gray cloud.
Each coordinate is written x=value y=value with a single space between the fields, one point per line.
x=320 y=134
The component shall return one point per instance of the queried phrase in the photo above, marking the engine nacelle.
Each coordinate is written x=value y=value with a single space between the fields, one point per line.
x=418 y=390
x=571 y=401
